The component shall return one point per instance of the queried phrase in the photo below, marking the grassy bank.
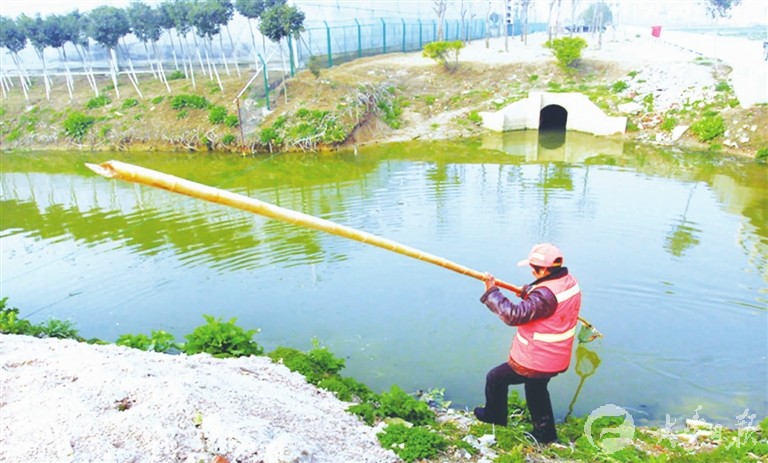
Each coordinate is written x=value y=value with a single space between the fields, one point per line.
x=394 y=97
x=423 y=426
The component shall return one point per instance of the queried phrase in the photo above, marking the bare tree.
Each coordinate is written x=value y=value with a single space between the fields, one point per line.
x=34 y=30
x=524 y=8
x=440 y=6
x=574 y=5
x=488 y=20
x=553 y=27
x=549 y=19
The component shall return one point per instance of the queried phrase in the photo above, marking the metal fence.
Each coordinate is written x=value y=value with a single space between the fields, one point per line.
x=339 y=43
x=322 y=44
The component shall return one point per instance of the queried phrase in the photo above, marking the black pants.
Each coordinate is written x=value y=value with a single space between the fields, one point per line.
x=497 y=383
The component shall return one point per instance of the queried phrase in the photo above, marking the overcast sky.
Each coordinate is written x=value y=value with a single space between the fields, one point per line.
x=634 y=11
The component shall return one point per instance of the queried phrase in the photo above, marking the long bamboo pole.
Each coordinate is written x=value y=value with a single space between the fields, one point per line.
x=153 y=178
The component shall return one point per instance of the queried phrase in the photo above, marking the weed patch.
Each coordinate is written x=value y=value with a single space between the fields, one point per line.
x=157 y=341
x=98 y=102
x=222 y=339
x=77 y=124
x=414 y=443
x=709 y=127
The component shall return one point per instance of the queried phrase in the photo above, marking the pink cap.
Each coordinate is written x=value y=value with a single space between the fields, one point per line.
x=543 y=255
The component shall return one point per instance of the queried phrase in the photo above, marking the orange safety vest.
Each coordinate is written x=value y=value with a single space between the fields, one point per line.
x=545 y=345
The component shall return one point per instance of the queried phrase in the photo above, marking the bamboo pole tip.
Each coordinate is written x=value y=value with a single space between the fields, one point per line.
x=102 y=169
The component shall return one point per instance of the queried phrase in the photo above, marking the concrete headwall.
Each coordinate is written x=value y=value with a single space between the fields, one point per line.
x=583 y=115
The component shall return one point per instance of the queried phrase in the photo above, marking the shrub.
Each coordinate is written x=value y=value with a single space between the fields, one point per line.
x=158 y=341
x=314 y=65
x=232 y=121
x=130 y=103
x=567 y=50
x=762 y=154
x=228 y=139
x=270 y=136
x=445 y=53
x=397 y=403
x=10 y=323
x=76 y=124
x=474 y=117
x=222 y=339
x=98 y=102
x=346 y=389
x=708 y=128
x=722 y=86
x=189 y=101
x=410 y=444
x=157 y=99
x=648 y=102
x=60 y=329
x=14 y=134
x=367 y=411
x=390 y=112
x=217 y=114
x=175 y=75
x=669 y=124
x=554 y=86
x=619 y=86
x=315 y=365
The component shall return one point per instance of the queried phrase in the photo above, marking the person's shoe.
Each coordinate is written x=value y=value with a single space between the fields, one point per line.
x=481 y=415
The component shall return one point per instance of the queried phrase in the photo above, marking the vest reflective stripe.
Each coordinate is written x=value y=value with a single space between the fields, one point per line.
x=568 y=293
x=554 y=337
x=522 y=339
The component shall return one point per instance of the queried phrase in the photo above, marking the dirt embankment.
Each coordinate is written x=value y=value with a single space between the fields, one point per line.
x=662 y=89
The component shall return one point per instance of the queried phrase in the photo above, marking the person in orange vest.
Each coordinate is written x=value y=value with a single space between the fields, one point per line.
x=546 y=320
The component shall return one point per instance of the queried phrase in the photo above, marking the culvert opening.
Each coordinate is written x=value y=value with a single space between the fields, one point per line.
x=553 y=117
x=552 y=120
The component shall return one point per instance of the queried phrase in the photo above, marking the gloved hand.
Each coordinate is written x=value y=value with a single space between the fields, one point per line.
x=489 y=281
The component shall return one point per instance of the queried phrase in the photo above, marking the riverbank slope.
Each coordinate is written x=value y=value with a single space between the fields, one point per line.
x=662 y=86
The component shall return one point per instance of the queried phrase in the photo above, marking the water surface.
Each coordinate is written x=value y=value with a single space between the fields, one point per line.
x=671 y=250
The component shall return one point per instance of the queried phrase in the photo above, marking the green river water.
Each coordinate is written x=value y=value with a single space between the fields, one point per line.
x=670 y=248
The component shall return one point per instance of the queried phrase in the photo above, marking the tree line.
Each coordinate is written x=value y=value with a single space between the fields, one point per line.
x=108 y=26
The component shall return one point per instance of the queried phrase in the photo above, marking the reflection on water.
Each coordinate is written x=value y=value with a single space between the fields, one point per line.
x=552 y=139
x=553 y=145
x=670 y=250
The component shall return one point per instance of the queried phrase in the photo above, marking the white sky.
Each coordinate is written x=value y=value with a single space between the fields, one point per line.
x=633 y=11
